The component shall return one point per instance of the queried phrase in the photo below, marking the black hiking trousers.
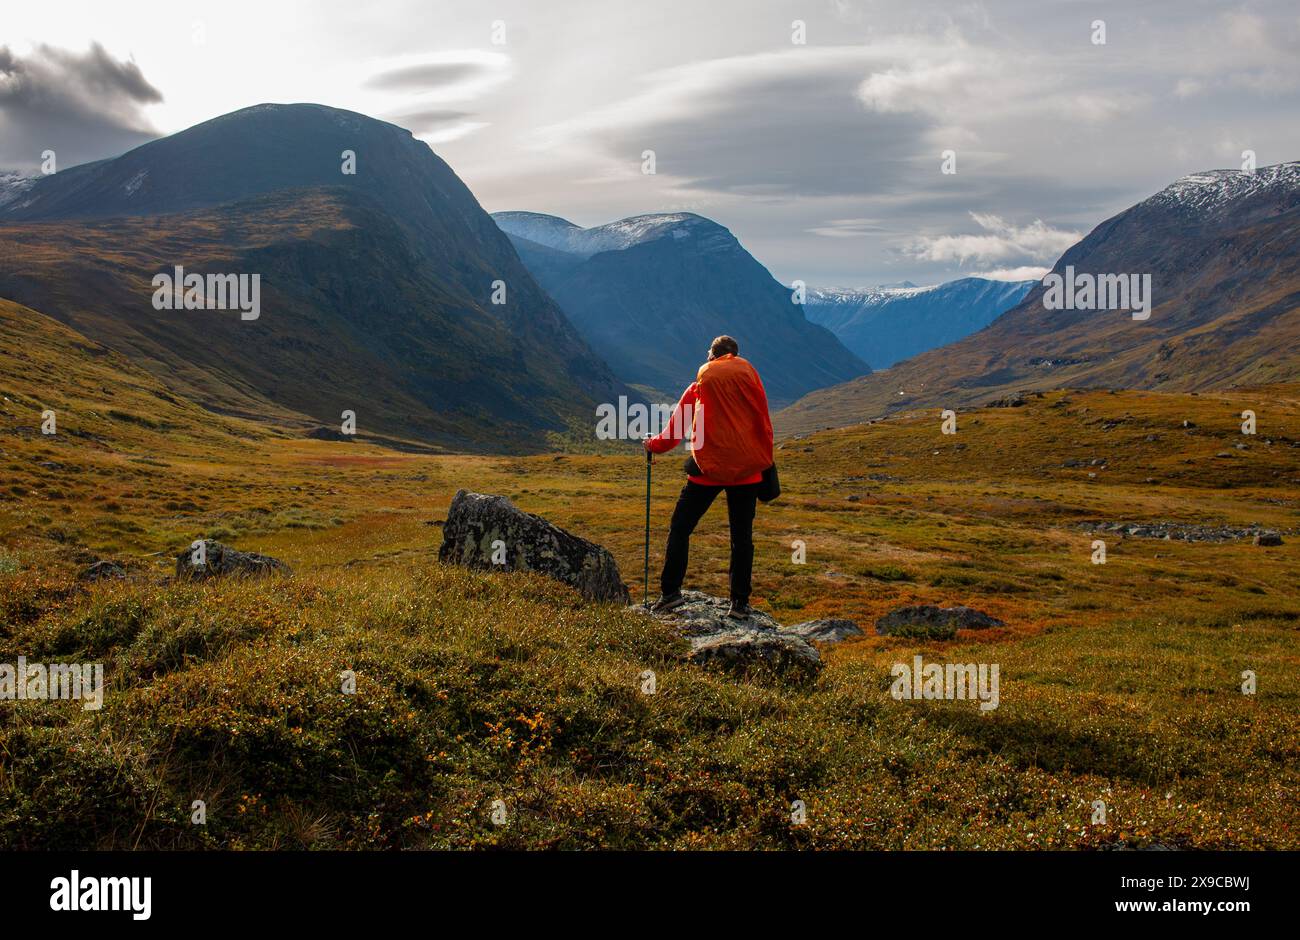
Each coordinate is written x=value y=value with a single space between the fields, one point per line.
x=692 y=504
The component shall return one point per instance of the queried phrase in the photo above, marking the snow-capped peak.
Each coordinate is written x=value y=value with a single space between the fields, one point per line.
x=13 y=185
x=563 y=235
x=1209 y=190
x=864 y=295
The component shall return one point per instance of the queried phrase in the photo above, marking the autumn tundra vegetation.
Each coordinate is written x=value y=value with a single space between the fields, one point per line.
x=1121 y=683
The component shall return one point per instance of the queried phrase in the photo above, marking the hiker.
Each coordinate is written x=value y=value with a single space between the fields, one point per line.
x=724 y=413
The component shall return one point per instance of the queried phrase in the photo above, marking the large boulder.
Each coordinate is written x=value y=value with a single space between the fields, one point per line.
x=526 y=542
x=927 y=622
x=216 y=560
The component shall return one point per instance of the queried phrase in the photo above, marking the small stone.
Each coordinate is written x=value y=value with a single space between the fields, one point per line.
x=103 y=571
x=221 y=560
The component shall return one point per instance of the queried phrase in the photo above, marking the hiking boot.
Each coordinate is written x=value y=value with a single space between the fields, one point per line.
x=668 y=602
x=739 y=610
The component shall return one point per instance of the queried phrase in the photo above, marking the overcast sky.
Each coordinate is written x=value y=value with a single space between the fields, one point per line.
x=824 y=158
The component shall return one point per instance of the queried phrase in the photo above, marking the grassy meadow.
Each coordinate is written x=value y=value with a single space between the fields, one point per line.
x=1119 y=682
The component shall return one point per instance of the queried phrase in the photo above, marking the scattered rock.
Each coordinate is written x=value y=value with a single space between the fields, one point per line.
x=1015 y=400
x=476 y=520
x=739 y=644
x=742 y=649
x=1182 y=532
x=328 y=434
x=825 y=631
x=220 y=561
x=704 y=614
x=925 y=621
x=103 y=571
x=1268 y=539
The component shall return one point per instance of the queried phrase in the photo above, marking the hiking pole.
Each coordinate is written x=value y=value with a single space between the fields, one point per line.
x=646 y=578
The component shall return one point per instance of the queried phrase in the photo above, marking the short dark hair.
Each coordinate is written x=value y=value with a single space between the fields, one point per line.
x=722 y=346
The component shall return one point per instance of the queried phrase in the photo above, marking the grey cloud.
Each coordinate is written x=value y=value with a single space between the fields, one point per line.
x=82 y=105
x=424 y=77
x=424 y=122
x=803 y=135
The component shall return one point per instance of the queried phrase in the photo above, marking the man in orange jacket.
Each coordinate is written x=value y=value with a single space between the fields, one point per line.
x=724 y=412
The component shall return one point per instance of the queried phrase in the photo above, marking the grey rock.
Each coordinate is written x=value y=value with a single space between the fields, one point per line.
x=738 y=645
x=1183 y=532
x=1015 y=400
x=103 y=571
x=926 y=621
x=222 y=561
x=476 y=520
x=742 y=649
x=704 y=614
x=825 y=631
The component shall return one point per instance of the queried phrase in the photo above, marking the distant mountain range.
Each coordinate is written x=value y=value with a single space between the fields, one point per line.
x=377 y=287
x=885 y=325
x=1222 y=249
x=650 y=292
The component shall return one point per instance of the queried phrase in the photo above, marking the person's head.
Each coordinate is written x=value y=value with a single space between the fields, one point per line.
x=723 y=346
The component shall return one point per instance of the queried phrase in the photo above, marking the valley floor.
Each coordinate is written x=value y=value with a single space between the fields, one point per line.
x=1120 y=682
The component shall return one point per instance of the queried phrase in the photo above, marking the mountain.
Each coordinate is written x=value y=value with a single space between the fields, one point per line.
x=104 y=404
x=885 y=325
x=651 y=291
x=1223 y=252
x=13 y=185
x=377 y=287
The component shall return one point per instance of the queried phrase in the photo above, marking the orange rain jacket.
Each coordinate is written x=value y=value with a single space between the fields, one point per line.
x=725 y=413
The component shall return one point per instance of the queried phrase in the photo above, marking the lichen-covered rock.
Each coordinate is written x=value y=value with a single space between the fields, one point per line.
x=925 y=621
x=704 y=614
x=739 y=645
x=215 y=560
x=491 y=533
x=103 y=571
x=741 y=649
x=825 y=631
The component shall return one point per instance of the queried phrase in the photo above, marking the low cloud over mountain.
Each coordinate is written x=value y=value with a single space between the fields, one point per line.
x=82 y=105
